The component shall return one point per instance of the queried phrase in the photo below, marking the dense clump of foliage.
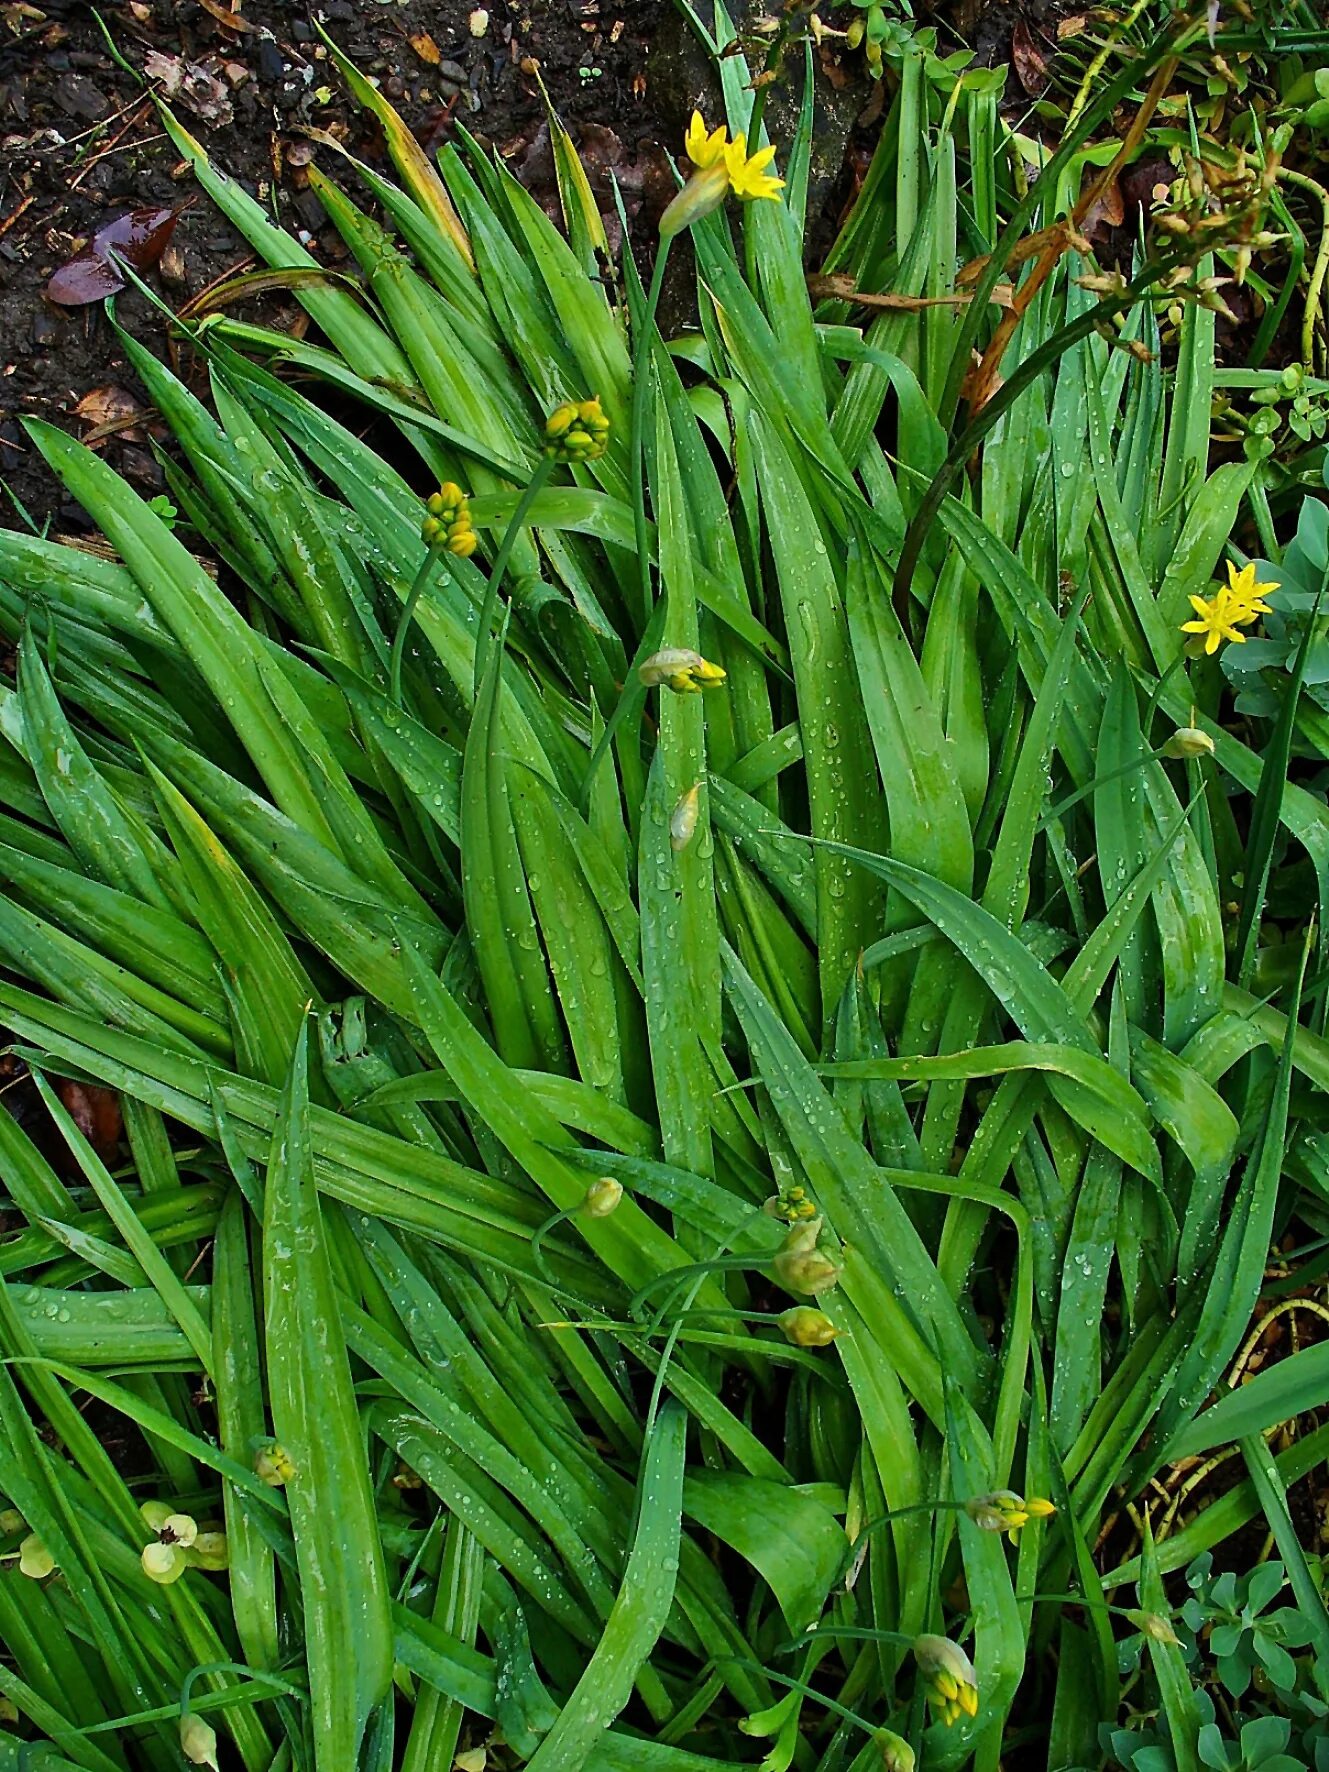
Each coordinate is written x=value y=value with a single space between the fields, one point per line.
x=708 y=949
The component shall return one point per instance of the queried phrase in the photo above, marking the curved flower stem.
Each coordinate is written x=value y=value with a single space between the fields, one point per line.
x=484 y=634
x=641 y=370
x=1315 y=288
x=435 y=551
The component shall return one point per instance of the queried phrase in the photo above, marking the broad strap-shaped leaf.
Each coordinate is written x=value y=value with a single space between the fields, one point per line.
x=348 y=1626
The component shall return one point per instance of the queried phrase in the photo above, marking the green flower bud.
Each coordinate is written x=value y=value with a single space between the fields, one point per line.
x=704 y=192
x=11 y=1520
x=198 y=1740
x=800 y=1266
x=806 y=1327
x=683 y=822
x=602 y=1197
x=210 y=1550
x=34 y=1560
x=896 y=1753
x=1154 y=1625
x=1189 y=741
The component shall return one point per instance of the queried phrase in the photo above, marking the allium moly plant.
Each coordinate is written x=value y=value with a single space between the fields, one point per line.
x=713 y=1014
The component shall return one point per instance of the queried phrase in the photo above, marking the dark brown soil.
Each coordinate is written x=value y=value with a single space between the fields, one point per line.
x=80 y=143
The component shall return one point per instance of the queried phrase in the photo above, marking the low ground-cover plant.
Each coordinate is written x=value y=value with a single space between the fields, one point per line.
x=684 y=938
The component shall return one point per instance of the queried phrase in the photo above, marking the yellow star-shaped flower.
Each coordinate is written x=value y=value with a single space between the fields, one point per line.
x=1217 y=617
x=705 y=148
x=748 y=178
x=1247 y=596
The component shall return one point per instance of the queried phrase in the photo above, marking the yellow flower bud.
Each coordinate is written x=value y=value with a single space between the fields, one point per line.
x=11 y=1520
x=560 y=421
x=806 y=1327
x=34 y=1560
x=274 y=1465
x=577 y=432
x=449 y=521
x=198 y=1740
x=680 y=669
x=8 y=1710
x=800 y=1266
x=163 y=1562
x=602 y=1197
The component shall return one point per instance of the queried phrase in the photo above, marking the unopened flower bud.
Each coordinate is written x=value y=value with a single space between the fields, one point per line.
x=210 y=1550
x=11 y=1520
x=577 y=431
x=198 y=1740
x=274 y=1465
x=1002 y=1510
x=34 y=1560
x=602 y=1197
x=804 y=1326
x=1154 y=1625
x=683 y=823
x=704 y=192
x=448 y=524
x=952 y=1685
x=800 y=1266
x=1189 y=741
x=896 y=1753
x=680 y=669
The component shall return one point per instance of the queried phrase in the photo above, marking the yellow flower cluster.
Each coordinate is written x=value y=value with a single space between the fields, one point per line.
x=680 y=669
x=745 y=173
x=1002 y=1510
x=952 y=1684
x=723 y=168
x=449 y=521
x=577 y=431
x=274 y=1464
x=1238 y=604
